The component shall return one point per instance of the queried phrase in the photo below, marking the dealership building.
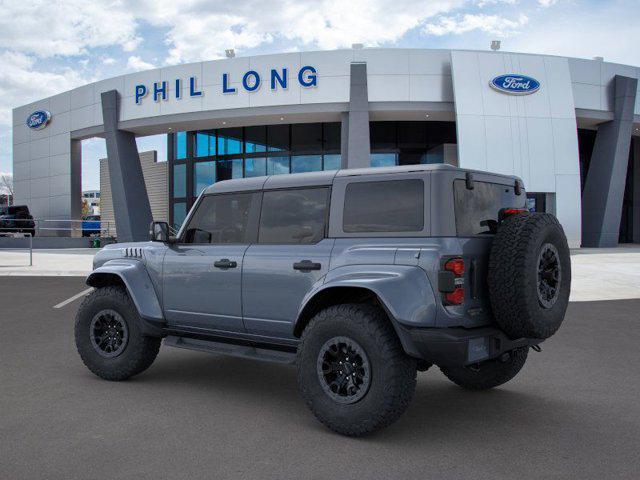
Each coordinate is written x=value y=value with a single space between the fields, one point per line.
x=570 y=128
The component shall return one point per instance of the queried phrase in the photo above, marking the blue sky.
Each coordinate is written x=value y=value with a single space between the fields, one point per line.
x=50 y=47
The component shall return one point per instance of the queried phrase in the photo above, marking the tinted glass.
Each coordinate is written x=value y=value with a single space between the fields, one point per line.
x=255 y=139
x=277 y=165
x=294 y=216
x=477 y=210
x=181 y=145
x=384 y=159
x=205 y=144
x=306 y=163
x=332 y=162
x=278 y=137
x=332 y=136
x=383 y=135
x=306 y=137
x=392 y=206
x=255 y=167
x=228 y=169
x=229 y=141
x=204 y=174
x=180 y=180
x=179 y=214
x=220 y=219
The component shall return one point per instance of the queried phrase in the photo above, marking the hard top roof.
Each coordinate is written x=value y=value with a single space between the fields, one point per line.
x=321 y=178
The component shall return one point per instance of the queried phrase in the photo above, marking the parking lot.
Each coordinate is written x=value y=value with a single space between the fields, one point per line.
x=574 y=411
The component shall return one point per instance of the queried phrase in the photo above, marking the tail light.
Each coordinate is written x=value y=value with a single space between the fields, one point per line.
x=456 y=297
x=455 y=265
x=451 y=281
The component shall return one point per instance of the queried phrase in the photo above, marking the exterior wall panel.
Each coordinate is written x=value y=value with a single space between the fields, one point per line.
x=156 y=181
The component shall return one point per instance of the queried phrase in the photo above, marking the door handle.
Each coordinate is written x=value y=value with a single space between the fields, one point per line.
x=306 y=265
x=225 y=263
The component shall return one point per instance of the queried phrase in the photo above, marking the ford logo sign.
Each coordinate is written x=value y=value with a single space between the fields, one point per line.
x=515 y=84
x=38 y=119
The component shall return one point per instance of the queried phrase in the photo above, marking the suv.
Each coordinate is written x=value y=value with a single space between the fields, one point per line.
x=17 y=219
x=360 y=277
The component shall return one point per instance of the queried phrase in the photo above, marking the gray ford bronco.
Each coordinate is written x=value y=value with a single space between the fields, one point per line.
x=359 y=277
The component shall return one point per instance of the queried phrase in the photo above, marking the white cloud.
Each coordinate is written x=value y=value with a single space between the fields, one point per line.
x=547 y=3
x=136 y=63
x=491 y=24
x=21 y=84
x=48 y=29
x=203 y=30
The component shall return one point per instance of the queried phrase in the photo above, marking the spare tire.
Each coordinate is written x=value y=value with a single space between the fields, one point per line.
x=529 y=275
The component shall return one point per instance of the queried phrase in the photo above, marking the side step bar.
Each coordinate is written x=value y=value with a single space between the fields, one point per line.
x=235 y=350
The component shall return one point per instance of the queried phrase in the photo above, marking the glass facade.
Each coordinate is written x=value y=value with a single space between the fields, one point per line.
x=199 y=158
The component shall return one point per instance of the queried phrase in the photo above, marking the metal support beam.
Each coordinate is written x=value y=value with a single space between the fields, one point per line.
x=635 y=181
x=604 y=187
x=358 y=148
x=130 y=201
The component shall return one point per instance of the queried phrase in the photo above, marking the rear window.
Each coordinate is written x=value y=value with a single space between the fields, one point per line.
x=477 y=210
x=390 y=206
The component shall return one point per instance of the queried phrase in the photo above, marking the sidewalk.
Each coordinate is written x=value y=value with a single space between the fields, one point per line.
x=598 y=274
x=63 y=262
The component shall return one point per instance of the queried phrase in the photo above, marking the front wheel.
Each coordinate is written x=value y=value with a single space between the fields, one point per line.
x=489 y=374
x=108 y=336
x=352 y=370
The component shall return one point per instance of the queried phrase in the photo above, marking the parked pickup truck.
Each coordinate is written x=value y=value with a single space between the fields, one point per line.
x=360 y=278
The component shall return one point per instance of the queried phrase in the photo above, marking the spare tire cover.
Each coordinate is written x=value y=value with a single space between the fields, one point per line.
x=529 y=275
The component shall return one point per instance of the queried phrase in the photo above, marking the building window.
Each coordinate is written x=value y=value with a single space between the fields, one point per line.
x=255 y=167
x=198 y=159
x=332 y=161
x=179 y=212
x=205 y=144
x=306 y=163
x=180 y=180
x=181 y=145
x=407 y=143
x=204 y=174
x=229 y=141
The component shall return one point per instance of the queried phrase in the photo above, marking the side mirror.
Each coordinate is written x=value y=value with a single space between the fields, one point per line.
x=159 y=232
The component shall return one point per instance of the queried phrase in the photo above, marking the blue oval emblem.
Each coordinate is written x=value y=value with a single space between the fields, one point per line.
x=38 y=119
x=515 y=84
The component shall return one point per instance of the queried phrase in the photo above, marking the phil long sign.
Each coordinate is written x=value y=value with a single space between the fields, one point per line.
x=515 y=84
x=251 y=81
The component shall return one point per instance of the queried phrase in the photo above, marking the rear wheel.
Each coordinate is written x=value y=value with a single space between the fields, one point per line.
x=489 y=374
x=108 y=337
x=352 y=371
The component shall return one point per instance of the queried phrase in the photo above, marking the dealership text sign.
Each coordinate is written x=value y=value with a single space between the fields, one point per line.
x=251 y=81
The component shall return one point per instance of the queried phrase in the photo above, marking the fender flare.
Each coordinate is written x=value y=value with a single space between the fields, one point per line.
x=405 y=292
x=133 y=274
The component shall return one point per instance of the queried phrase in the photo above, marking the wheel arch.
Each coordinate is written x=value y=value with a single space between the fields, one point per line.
x=133 y=277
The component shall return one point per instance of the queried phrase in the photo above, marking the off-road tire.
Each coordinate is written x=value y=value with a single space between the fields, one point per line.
x=392 y=378
x=489 y=374
x=513 y=275
x=140 y=350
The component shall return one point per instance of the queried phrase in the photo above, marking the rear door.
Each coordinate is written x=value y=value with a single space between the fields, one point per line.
x=202 y=273
x=292 y=254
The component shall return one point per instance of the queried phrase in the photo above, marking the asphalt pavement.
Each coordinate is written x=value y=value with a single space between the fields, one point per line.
x=573 y=412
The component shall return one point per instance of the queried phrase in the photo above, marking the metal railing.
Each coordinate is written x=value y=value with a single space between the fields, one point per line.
x=21 y=235
x=48 y=227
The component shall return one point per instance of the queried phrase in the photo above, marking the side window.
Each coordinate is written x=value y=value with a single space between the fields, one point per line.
x=220 y=219
x=294 y=216
x=388 y=206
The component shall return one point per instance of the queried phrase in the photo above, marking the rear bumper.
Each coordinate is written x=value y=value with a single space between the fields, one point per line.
x=462 y=346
